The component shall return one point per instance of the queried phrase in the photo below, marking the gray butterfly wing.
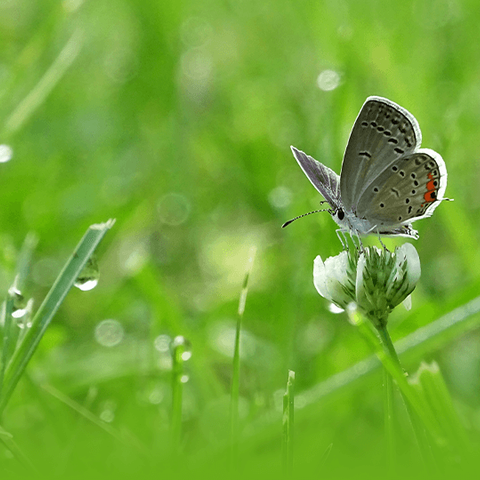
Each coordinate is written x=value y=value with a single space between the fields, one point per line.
x=325 y=180
x=382 y=133
x=409 y=188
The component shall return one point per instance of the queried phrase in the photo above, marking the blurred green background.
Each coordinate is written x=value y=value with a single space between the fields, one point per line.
x=176 y=118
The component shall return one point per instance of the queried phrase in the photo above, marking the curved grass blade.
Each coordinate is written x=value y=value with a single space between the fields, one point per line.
x=49 y=307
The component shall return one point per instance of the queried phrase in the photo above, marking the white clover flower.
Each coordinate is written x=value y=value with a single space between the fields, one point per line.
x=376 y=280
x=333 y=279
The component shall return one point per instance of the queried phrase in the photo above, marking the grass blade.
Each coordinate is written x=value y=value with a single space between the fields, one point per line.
x=7 y=342
x=45 y=85
x=235 y=392
x=288 y=425
x=7 y=439
x=178 y=380
x=49 y=307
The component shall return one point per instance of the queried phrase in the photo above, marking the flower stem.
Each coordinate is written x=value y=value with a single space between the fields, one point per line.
x=418 y=429
x=389 y=420
x=388 y=344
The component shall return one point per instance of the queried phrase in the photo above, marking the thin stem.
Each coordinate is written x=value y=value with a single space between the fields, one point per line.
x=235 y=391
x=288 y=425
x=388 y=344
x=177 y=392
x=389 y=420
x=418 y=429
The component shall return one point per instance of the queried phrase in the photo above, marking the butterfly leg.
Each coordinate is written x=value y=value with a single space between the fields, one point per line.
x=359 y=245
x=342 y=237
x=381 y=243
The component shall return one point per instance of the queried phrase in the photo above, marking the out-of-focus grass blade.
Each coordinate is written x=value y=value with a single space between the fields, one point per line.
x=84 y=412
x=429 y=381
x=25 y=259
x=179 y=344
x=288 y=425
x=50 y=305
x=45 y=85
x=235 y=391
x=7 y=342
x=7 y=440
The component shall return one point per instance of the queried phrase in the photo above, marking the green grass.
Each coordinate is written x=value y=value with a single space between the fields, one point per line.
x=176 y=118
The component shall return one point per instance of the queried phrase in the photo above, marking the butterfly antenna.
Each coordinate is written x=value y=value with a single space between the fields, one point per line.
x=304 y=215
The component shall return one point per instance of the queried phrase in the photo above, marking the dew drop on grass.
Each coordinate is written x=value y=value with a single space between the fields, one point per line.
x=88 y=278
x=186 y=353
x=19 y=303
x=108 y=412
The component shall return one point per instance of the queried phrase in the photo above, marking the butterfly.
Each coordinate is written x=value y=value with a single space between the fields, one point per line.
x=387 y=181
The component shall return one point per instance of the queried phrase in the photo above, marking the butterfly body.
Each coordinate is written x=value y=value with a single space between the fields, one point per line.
x=387 y=181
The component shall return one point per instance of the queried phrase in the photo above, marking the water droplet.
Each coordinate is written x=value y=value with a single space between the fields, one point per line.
x=19 y=303
x=88 y=277
x=109 y=333
x=185 y=345
x=173 y=209
x=19 y=312
x=156 y=396
x=162 y=343
x=108 y=412
x=186 y=356
x=328 y=80
x=6 y=153
x=280 y=197
x=335 y=309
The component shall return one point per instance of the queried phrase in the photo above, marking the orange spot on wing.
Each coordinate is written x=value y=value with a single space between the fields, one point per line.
x=429 y=195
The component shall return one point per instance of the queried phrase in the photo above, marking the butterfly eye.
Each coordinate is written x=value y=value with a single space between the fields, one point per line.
x=340 y=214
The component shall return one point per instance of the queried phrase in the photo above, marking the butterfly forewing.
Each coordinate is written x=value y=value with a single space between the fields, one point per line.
x=383 y=132
x=410 y=187
x=325 y=180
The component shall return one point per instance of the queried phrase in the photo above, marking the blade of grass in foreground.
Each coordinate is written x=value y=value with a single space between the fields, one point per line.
x=288 y=425
x=49 y=307
x=236 y=365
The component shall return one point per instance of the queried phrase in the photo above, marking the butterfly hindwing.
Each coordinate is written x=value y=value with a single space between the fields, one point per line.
x=382 y=133
x=409 y=188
